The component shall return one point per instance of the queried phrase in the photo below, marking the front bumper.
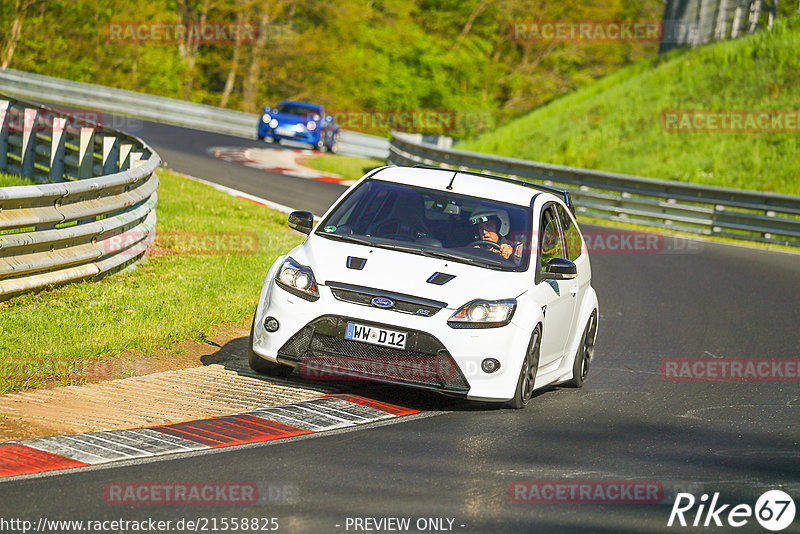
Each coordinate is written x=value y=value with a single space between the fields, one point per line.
x=321 y=350
x=301 y=136
x=438 y=357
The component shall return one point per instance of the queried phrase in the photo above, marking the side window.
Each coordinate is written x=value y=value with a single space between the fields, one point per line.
x=572 y=236
x=550 y=244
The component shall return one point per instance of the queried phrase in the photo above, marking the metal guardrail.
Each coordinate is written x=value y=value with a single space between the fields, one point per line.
x=93 y=210
x=664 y=204
x=363 y=145
x=696 y=22
x=161 y=109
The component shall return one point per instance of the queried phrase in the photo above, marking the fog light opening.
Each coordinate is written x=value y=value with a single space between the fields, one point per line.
x=271 y=324
x=490 y=365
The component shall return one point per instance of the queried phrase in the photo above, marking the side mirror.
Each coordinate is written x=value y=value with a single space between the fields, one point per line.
x=329 y=118
x=560 y=269
x=267 y=109
x=302 y=221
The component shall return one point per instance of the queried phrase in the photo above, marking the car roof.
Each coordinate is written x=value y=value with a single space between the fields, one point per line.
x=466 y=183
x=301 y=103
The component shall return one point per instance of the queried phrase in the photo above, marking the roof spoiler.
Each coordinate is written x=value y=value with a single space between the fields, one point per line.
x=558 y=192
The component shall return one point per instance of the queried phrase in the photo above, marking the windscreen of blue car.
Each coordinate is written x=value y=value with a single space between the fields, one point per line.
x=433 y=223
x=291 y=109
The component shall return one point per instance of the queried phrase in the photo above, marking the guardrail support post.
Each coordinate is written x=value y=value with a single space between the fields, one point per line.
x=110 y=154
x=737 y=22
x=28 y=150
x=57 y=149
x=86 y=153
x=755 y=13
x=136 y=159
x=124 y=156
x=4 y=127
x=720 y=28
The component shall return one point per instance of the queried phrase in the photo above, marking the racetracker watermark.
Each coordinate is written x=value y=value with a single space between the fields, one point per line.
x=416 y=120
x=610 y=241
x=198 y=493
x=61 y=118
x=206 y=32
x=16 y=368
x=133 y=243
x=730 y=369
x=410 y=368
x=586 y=492
x=622 y=241
x=103 y=369
x=586 y=31
x=730 y=121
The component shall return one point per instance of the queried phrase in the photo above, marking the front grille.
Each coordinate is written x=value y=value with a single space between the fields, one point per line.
x=402 y=303
x=321 y=346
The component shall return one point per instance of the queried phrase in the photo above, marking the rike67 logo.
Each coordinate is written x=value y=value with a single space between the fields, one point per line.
x=774 y=510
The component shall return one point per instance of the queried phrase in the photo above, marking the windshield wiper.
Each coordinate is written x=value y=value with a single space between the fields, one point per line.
x=464 y=259
x=379 y=244
x=349 y=239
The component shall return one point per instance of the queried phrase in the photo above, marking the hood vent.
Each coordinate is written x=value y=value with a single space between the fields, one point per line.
x=356 y=263
x=440 y=279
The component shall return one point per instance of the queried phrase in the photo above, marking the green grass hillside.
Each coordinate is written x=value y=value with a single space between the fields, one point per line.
x=614 y=124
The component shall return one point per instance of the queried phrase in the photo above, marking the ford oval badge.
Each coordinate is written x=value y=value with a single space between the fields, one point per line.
x=382 y=302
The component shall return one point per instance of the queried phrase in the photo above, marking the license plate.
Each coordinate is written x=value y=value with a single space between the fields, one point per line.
x=285 y=132
x=376 y=336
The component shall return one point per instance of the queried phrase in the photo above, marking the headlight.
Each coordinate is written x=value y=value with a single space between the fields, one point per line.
x=273 y=123
x=266 y=118
x=297 y=279
x=483 y=314
x=311 y=126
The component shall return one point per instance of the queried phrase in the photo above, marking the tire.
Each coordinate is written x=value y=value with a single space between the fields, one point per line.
x=334 y=148
x=583 y=357
x=527 y=374
x=320 y=145
x=260 y=365
x=260 y=137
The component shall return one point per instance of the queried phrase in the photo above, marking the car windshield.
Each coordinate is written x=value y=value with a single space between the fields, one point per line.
x=293 y=109
x=433 y=223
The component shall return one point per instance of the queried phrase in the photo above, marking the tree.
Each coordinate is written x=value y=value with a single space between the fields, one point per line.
x=189 y=47
x=21 y=8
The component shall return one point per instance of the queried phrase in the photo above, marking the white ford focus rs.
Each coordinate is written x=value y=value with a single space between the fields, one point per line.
x=463 y=283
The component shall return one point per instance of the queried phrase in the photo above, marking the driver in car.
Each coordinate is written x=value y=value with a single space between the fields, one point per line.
x=492 y=226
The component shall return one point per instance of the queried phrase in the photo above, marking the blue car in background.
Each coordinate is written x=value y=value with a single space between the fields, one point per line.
x=303 y=122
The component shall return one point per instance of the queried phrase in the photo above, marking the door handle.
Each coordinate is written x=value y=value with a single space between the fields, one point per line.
x=574 y=290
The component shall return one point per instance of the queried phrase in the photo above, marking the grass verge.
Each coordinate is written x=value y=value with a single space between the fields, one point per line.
x=9 y=180
x=615 y=124
x=349 y=167
x=184 y=289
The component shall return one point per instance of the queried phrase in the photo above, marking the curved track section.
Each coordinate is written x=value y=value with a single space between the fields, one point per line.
x=464 y=463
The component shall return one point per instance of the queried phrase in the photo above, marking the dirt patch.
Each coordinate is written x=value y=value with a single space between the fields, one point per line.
x=15 y=427
x=189 y=353
x=303 y=161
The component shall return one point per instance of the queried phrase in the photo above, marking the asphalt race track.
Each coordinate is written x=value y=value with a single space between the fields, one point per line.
x=185 y=150
x=457 y=460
